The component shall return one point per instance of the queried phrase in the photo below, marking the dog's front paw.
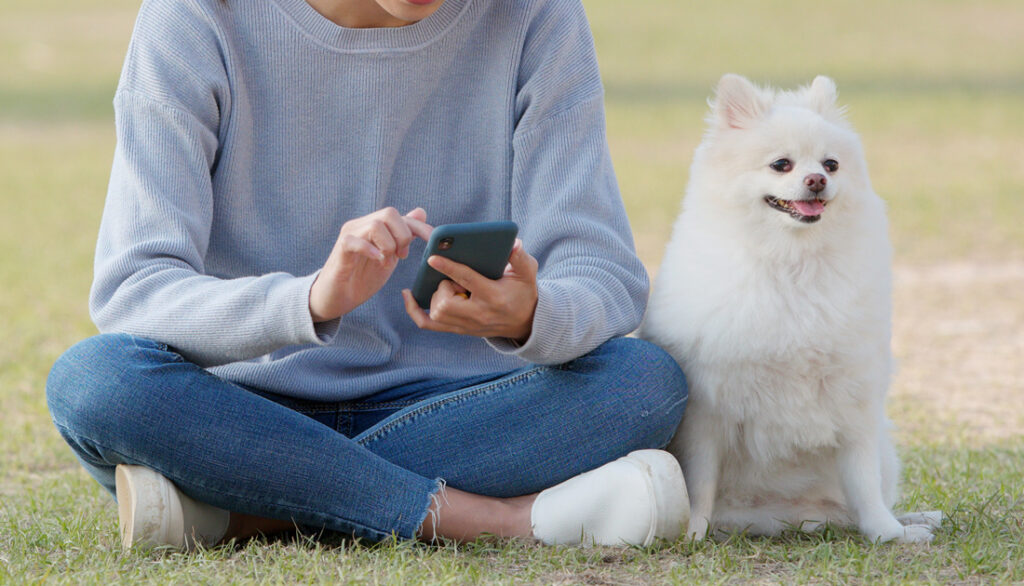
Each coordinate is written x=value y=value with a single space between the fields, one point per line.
x=698 y=529
x=916 y=534
x=931 y=519
x=893 y=531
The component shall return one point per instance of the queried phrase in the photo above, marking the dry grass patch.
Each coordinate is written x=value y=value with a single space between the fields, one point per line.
x=959 y=338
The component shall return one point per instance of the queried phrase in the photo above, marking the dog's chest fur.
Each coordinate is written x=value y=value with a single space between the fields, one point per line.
x=797 y=380
x=784 y=355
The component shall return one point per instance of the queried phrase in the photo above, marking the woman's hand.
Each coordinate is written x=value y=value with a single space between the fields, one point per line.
x=474 y=305
x=364 y=256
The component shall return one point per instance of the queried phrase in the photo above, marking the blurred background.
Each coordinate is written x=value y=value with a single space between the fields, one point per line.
x=936 y=89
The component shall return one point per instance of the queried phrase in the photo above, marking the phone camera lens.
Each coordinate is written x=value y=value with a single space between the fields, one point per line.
x=445 y=243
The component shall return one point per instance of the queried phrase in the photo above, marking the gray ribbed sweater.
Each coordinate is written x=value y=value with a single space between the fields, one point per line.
x=249 y=131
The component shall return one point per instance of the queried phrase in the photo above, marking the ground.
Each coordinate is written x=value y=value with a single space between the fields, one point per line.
x=958 y=335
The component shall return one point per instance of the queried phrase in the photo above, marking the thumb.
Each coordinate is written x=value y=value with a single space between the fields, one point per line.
x=520 y=261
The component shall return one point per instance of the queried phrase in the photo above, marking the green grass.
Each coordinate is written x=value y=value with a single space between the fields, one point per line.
x=65 y=530
x=936 y=89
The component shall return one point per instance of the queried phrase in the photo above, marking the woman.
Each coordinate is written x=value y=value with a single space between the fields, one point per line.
x=258 y=369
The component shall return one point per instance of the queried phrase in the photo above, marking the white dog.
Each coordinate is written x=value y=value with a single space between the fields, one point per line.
x=774 y=296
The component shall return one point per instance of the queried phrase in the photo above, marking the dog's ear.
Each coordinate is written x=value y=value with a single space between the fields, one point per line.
x=821 y=96
x=738 y=102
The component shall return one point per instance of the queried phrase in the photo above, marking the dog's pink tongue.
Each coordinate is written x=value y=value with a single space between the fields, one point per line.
x=812 y=207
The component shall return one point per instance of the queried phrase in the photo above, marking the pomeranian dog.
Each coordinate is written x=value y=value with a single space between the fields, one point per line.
x=774 y=297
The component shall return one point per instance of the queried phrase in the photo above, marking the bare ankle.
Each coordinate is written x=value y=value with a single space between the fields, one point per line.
x=462 y=516
x=245 y=526
x=521 y=522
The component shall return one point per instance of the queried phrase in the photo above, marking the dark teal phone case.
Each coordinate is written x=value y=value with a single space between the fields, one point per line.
x=482 y=246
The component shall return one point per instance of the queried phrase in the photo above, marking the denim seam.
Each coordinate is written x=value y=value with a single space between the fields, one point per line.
x=379 y=406
x=454 y=397
x=343 y=423
x=344 y=406
x=311 y=512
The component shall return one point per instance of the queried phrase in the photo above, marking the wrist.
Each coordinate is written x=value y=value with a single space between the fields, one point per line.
x=525 y=329
x=319 y=303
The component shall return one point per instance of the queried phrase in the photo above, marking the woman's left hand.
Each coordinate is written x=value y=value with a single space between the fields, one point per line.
x=474 y=305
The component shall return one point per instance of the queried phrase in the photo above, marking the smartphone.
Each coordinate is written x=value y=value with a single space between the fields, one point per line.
x=482 y=246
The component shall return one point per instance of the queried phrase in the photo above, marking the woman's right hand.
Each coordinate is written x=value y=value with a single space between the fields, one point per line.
x=366 y=253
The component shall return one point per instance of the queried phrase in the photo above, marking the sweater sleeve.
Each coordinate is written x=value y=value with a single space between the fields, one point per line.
x=591 y=285
x=150 y=278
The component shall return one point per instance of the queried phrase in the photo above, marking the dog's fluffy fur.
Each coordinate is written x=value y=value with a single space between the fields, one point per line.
x=774 y=296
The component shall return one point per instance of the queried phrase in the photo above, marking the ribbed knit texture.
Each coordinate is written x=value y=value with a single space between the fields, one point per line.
x=249 y=131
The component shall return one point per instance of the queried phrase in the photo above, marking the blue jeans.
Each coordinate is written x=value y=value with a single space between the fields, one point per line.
x=367 y=468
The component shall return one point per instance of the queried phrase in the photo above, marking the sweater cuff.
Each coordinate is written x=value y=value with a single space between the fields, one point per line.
x=294 y=324
x=554 y=316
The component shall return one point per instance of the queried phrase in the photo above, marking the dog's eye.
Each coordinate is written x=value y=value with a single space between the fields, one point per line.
x=830 y=165
x=782 y=165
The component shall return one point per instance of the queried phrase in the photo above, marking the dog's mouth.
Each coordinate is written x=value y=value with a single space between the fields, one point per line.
x=807 y=211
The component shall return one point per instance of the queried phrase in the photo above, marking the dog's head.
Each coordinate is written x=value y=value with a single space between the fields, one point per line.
x=785 y=158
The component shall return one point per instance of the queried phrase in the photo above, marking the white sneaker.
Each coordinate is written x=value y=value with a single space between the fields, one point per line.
x=152 y=512
x=633 y=501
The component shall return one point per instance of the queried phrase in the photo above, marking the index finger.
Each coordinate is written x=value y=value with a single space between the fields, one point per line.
x=391 y=231
x=418 y=227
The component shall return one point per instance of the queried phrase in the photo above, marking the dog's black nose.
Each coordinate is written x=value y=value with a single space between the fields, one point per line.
x=815 y=182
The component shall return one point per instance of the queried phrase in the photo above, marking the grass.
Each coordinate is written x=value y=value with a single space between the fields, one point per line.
x=65 y=532
x=934 y=87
